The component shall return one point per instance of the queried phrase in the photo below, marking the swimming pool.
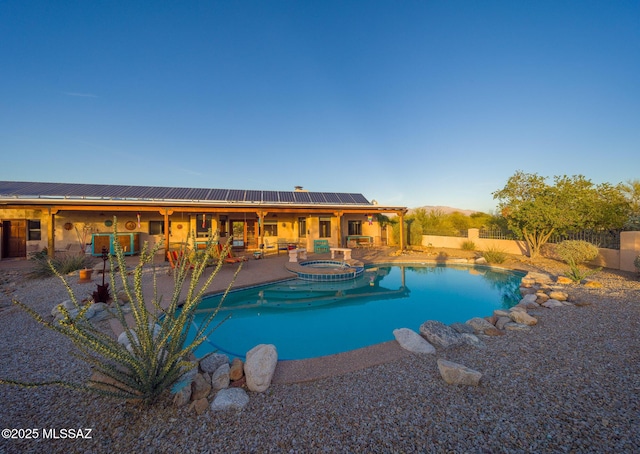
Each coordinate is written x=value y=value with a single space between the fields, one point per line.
x=306 y=319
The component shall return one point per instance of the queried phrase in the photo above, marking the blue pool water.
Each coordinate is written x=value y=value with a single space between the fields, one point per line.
x=306 y=319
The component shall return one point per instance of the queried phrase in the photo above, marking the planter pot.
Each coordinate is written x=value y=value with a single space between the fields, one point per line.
x=85 y=275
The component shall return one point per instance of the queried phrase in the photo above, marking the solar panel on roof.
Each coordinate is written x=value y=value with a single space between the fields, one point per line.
x=235 y=195
x=331 y=197
x=301 y=197
x=253 y=196
x=269 y=196
x=285 y=197
x=317 y=197
x=217 y=194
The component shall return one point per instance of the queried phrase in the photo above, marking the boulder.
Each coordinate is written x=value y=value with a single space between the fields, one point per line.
x=200 y=405
x=182 y=397
x=552 y=303
x=200 y=387
x=502 y=321
x=558 y=295
x=513 y=326
x=523 y=318
x=457 y=374
x=440 y=334
x=211 y=362
x=480 y=261
x=236 y=371
x=592 y=284
x=463 y=328
x=412 y=341
x=480 y=325
x=539 y=278
x=563 y=280
x=473 y=340
x=220 y=378
x=530 y=298
x=541 y=297
x=260 y=366
x=494 y=332
x=230 y=399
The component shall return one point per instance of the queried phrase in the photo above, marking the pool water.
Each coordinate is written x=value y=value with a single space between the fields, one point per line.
x=306 y=319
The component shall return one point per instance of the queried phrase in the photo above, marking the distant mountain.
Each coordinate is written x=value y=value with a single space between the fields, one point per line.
x=443 y=209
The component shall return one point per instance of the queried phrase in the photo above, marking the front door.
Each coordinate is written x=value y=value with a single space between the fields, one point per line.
x=14 y=239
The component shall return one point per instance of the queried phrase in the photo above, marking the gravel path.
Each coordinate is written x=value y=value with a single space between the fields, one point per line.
x=571 y=384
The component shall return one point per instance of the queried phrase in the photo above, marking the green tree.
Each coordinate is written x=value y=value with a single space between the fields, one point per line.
x=631 y=190
x=535 y=210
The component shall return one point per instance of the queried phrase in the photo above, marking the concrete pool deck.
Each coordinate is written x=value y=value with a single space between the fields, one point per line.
x=273 y=268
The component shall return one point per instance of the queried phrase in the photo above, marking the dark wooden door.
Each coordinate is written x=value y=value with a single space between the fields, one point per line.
x=15 y=232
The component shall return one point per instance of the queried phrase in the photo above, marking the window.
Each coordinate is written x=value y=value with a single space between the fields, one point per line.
x=34 y=231
x=325 y=228
x=302 y=227
x=156 y=227
x=270 y=228
x=355 y=228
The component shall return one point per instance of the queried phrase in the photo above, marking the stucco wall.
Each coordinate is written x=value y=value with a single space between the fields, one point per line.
x=609 y=258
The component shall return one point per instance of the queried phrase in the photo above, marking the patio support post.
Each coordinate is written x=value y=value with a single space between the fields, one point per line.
x=166 y=212
x=338 y=214
x=261 y=216
x=402 y=242
x=51 y=233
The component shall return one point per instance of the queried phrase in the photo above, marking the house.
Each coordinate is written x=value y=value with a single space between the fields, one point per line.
x=66 y=217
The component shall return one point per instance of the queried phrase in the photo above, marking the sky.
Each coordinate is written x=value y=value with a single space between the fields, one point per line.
x=410 y=103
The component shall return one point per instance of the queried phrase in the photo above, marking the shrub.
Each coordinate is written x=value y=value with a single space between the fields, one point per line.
x=575 y=253
x=636 y=263
x=42 y=264
x=158 y=354
x=468 y=245
x=494 y=255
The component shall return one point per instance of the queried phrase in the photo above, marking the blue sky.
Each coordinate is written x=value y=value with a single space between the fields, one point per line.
x=409 y=102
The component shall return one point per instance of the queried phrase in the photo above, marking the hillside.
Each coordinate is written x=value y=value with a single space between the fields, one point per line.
x=443 y=209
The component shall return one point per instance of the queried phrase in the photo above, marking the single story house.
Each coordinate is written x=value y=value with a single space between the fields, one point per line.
x=79 y=217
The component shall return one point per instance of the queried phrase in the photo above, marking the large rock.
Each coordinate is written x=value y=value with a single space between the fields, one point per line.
x=457 y=374
x=220 y=378
x=182 y=397
x=440 y=334
x=200 y=387
x=230 y=399
x=523 y=318
x=480 y=325
x=412 y=341
x=210 y=363
x=259 y=367
x=558 y=295
x=236 y=372
x=552 y=303
x=463 y=328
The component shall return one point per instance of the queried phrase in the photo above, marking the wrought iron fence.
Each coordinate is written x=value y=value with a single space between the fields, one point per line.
x=603 y=239
x=496 y=234
x=447 y=232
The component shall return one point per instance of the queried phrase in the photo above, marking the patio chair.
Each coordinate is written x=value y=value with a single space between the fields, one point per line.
x=230 y=258
x=176 y=257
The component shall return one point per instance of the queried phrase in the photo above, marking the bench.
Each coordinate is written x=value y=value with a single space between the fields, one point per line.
x=285 y=245
x=298 y=253
x=346 y=252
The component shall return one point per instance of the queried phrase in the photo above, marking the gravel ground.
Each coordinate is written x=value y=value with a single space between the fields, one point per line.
x=571 y=384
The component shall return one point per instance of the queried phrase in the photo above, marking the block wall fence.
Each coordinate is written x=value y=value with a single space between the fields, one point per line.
x=609 y=258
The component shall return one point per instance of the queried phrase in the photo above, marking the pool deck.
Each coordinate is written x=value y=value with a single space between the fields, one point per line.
x=273 y=268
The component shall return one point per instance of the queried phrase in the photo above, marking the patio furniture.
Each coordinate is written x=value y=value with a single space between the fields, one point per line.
x=320 y=246
x=346 y=252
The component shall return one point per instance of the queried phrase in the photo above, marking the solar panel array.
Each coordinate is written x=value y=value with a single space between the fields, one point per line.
x=17 y=189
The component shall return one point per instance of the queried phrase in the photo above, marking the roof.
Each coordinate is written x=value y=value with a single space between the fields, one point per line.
x=23 y=190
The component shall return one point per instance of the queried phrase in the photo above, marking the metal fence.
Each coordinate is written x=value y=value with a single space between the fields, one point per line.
x=496 y=234
x=446 y=232
x=608 y=239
